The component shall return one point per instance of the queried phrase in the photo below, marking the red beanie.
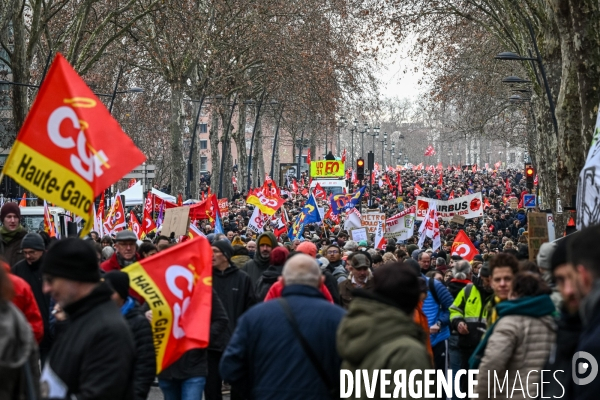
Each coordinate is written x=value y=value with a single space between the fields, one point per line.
x=279 y=255
x=308 y=248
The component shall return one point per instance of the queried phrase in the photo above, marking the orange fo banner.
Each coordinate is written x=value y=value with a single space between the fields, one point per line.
x=69 y=148
x=177 y=285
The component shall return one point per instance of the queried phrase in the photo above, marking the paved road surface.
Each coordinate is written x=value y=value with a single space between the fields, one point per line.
x=156 y=394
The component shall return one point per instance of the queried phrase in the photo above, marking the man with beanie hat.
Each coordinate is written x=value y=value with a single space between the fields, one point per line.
x=11 y=233
x=94 y=356
x=144 y=369
x=265 y=243
x=236 y=291
x=29 y=269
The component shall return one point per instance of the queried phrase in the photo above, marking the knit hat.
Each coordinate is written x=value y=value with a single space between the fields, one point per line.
x=119 y=281
x=33 y=241
x=237 y=241
x=73 y=259
x=10 y=208
x=279 y=255
x=308 y=248
x=266 y=238
x=225 y=248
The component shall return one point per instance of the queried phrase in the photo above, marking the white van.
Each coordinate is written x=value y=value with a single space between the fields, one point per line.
x=331 y=186
x=32 y=218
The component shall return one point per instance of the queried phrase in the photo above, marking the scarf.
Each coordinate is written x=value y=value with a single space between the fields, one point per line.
x=127 y=306
x=530 y=306
x=8 y=236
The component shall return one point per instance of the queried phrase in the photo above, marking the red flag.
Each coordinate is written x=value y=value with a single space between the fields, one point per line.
x=486 y=203
x=507 y=188
x=441 y=180
x=281 y=227
x=176 y=284
x=308 y=157
x=399 y=183
x=344 y=156
x=149 y=225
x=535 y=181
x=418 y=189
x=179 y=200
x=100 y=212
x=462 y=246
x=132 y=182
x=474 y=169
x=294 y=186
x=451 y=196
x=304 y=192
x=48 y=224
x=319 y=192
x=134 y=225
x=63 y=144
x=429 y=151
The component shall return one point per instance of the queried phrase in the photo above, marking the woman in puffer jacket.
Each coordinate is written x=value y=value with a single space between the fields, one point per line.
x=518 y=344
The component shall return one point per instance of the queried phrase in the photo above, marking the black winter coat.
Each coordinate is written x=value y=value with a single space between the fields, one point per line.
x=144 y=370
x=32 y=274
x=264 y=283
x=11 y=249
x=194 y=362
x=93 y=358
x=236 y=292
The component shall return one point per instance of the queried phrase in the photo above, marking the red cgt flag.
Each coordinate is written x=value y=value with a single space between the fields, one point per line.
x=462 y=246
x=418 y=189
x=70 y=148
x=134 y=225
x=177 y=285
x=319 y=192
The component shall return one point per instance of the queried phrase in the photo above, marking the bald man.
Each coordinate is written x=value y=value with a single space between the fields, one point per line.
x=267 y=330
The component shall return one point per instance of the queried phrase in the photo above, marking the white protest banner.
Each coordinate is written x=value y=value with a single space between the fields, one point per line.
x=470 y=206
x=257 y=221
x=588 y=186
x=401 y=226
x=370 y=220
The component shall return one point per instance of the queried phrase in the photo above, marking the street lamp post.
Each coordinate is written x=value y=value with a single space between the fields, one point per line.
x=538 y=59
x=383 y=145
x=355 y=124
x=301 y=145
x=392 y=150
x=341 y=124
x=374 y=135
x=366 y=130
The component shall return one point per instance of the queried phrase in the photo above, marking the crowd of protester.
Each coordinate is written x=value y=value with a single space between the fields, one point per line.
x=287 y=315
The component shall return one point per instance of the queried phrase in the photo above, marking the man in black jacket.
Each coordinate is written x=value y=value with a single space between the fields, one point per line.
x=265 y=243
x=30 y=270
x=93 y=357
x=236 y=291
x=144 y=370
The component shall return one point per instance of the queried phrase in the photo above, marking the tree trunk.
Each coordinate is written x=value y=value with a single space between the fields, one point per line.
x=213 y=138
x=19 y=67
x=195 y=152
x=258 y=163
x=176 y=124
x=240 y=142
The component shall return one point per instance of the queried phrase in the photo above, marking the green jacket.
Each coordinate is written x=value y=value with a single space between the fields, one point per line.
x=377 y=335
